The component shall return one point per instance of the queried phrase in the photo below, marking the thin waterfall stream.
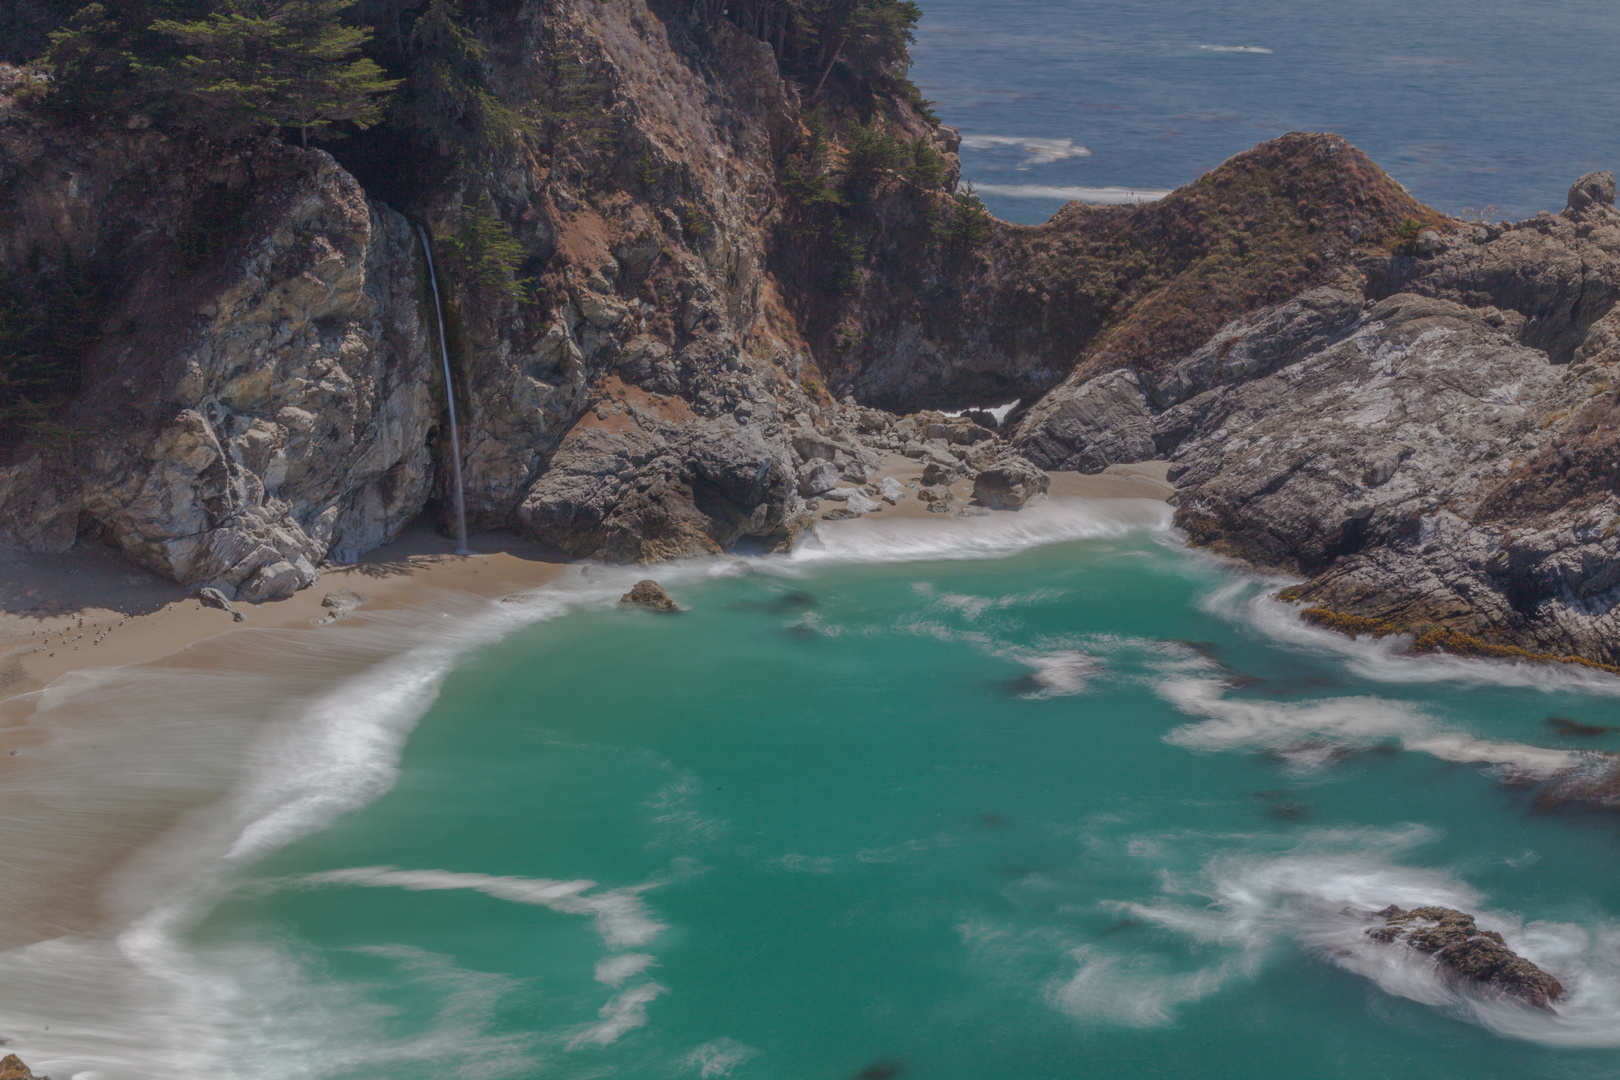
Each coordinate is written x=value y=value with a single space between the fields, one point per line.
x=450 y=398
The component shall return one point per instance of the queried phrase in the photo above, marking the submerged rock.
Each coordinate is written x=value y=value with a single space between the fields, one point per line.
x=1468 y=953
x=1009 y=483
x=648 y=594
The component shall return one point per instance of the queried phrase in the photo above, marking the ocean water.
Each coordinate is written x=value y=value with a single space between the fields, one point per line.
x=1036 y=795
x=1469 y=103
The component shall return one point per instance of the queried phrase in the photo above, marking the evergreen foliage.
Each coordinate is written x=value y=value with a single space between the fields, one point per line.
x=567 y=94
x=485 y=257
x=447 y=101
x=94 y=59
x=253 y=66
x=967 y=225
x=226 y=69
x=869 y=154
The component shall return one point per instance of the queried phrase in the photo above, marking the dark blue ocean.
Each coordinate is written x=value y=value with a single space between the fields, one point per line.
x=1469 y=104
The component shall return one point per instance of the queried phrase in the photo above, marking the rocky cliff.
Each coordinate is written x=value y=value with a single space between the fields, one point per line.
x=1413 y=412
x=1429 y=441
x=251 y=404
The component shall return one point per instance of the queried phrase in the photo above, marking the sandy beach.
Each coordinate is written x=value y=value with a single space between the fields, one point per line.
x=90 y=608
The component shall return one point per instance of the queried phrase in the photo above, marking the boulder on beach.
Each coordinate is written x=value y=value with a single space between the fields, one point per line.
x=648 y=594
x=1467 y=953
x=340 y=604
x=212 y=597
x=816 y=476
x=1009 y=483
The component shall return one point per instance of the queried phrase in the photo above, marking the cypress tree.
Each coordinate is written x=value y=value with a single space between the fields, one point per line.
x=253 y=66
x=447 y=100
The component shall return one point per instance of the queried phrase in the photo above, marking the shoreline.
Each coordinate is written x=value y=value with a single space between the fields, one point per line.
x=90 y=608
x=139 y=619
x=63 y=713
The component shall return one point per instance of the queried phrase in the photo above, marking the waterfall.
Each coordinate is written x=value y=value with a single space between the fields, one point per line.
x=450 y=397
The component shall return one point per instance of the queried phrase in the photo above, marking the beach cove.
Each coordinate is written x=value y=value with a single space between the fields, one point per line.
x=1041 y=774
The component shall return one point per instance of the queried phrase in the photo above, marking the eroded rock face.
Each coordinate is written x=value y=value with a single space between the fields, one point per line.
x=1425 y=458
x=1362 y=442
x=271 y=405
x=1468 y=954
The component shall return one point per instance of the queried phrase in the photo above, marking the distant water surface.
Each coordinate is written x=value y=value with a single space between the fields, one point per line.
x=1466 y=103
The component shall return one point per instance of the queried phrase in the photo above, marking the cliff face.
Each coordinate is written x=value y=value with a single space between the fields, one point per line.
x=251 y=405
x=1104 y=287
x=1430 y=441
x=261 y=393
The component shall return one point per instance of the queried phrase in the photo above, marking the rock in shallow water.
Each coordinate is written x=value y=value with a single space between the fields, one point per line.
x=1468 y=953
x=648 y=594
x=12 y=1068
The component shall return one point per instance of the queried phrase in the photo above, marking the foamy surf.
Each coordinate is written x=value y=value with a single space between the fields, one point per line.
x=993 y=535
x=1242 y=907
x=216 y=757
x=1038 y=151
x=1248 y=601
x=1311 y=733
x=1097 y=196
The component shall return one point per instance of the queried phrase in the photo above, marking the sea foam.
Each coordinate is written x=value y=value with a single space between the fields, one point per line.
x=203 y=764
x=993 y=535
x=1099 y=196
x=1318 y=896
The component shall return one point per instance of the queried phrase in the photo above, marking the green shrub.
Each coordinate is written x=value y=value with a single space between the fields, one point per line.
x=927 y=168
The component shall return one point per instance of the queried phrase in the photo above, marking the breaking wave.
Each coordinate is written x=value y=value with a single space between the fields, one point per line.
x=1248 y=601
x=1038 y=151
x=1320 y=897
x=994 y=535
x=1097 y=196
x=202 y=764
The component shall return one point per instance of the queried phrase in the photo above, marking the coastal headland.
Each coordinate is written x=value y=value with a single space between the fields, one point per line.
x=721 y=298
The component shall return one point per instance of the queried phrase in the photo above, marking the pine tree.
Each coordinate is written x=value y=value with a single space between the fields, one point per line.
x=253 y=66
x=447 y=98
x=485 y=256
x=93 y=60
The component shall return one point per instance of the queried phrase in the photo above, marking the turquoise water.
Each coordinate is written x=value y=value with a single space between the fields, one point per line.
x=1091 y=808
x=1469 y=104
